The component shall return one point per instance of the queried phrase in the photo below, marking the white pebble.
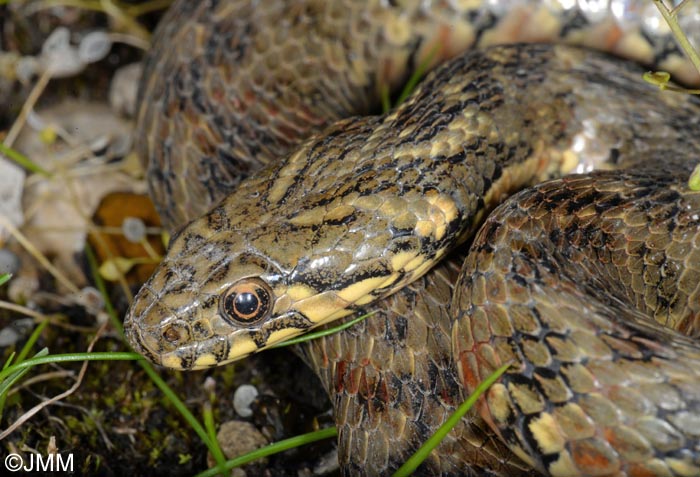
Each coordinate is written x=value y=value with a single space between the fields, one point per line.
x=243 y=398
x=94 y=47
x=134 y=229
x=58 y=57
x=124 y=89
x=9 y=262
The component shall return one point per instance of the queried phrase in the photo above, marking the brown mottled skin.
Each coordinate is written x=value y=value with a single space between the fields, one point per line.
x=571 y=281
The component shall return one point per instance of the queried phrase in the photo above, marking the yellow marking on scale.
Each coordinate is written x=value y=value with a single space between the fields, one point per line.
x=241 y=346
x=446 y=205
x=339 y=213
x=390 y=279
x=171 y=361
x=424 y=228
x=399 y=261
x=440 y=231
x=357 y=290
x=287 y=177
x=415 y=263
x=320 y=307
x=300 y=291
x=563 y=466
x=278 y=336
x=205 y=361
x=305 y=219
x=499 y=403
x=546 y=432
x=421 y=269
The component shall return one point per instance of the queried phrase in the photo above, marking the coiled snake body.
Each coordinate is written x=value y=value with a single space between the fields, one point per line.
x=571 y=280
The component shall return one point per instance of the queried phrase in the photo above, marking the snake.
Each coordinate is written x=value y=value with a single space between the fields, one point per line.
x=527 y=204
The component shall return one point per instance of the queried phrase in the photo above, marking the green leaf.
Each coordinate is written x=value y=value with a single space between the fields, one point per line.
x=275 y=448
x=23 y=160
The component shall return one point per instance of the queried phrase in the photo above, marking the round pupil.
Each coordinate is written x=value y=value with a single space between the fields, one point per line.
x=246 y=303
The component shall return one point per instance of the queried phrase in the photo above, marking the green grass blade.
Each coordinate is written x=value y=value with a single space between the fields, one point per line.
x=416 y=459
x=385 y=97
x=23 y=160
x=9 y=360
x=417 y=75
x=319 y=334
x=12 y=377
x=177 y=403
x=275 y=448
x=31 y=341
x=69 y=357
x=4 y=278
x=7 y=383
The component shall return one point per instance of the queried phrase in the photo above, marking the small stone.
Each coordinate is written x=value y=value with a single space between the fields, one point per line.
x=134 y=229
x=94 y=47
x=237 y=438
x=124 y=89
x=243 y=398
x=9 y=262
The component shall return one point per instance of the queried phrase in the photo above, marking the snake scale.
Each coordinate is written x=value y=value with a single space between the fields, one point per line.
x=588 y=284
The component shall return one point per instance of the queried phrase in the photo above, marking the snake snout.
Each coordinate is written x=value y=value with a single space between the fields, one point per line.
x=159 y=334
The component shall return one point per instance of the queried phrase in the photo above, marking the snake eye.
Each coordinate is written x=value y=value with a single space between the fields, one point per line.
x=247 y=301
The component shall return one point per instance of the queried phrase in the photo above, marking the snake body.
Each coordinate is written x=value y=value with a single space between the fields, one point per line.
x=357 y=217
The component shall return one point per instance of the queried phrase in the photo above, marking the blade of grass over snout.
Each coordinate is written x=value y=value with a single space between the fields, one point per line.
x=275 y=448
x=22 y=160
x=319 y=334
x=4 y=278
x=421 y=454
x=212 y=444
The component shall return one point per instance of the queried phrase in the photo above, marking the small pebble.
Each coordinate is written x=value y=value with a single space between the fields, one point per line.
x=124 y=89
x=9 y=262
x=134 y=229
x=243 y=398
x=91 y=299
x=94 y=47
x=58 y=57
x=237 y=438
x=16 y=330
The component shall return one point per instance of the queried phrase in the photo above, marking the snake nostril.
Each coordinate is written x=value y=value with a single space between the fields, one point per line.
x=171 y=335
x=175 y=334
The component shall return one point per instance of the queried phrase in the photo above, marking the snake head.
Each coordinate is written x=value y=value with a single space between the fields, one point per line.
x=278 y=257
x=207 y=305
x=227 y=288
